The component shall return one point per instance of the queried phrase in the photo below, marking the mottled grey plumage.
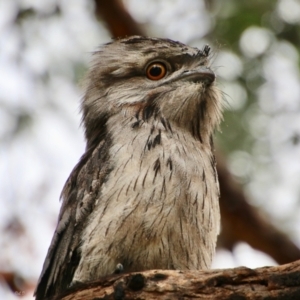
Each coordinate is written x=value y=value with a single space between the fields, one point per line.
x=145 y=193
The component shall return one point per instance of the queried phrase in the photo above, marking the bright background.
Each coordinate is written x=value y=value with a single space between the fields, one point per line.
x=45 y=47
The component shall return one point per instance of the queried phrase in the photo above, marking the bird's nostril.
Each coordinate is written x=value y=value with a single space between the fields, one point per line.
x=208 y=76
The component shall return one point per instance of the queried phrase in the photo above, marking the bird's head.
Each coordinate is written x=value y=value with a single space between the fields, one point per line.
x=152 y=77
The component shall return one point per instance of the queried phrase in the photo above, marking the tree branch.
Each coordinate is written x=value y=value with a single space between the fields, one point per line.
x=118 y=20
x=281 y=282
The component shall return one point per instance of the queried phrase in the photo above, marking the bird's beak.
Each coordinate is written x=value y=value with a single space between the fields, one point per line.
x=201 y=74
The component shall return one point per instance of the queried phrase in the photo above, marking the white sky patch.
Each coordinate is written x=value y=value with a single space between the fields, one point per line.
x=255 y=41
x=228 y=65
x=289 y=10
x=243 y=255
x=246 y=256
x=235 y=95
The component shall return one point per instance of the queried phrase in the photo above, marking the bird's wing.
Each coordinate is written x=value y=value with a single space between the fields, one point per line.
x=79 y=195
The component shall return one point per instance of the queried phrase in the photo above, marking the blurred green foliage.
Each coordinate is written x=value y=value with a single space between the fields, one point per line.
x=231 y=20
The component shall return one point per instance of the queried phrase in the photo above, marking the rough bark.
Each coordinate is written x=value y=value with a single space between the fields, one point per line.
x=281 y=282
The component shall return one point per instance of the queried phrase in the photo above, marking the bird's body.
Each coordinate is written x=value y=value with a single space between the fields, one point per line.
x=145 y=193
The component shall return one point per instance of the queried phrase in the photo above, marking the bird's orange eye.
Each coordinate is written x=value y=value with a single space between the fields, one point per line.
x=156 y=71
